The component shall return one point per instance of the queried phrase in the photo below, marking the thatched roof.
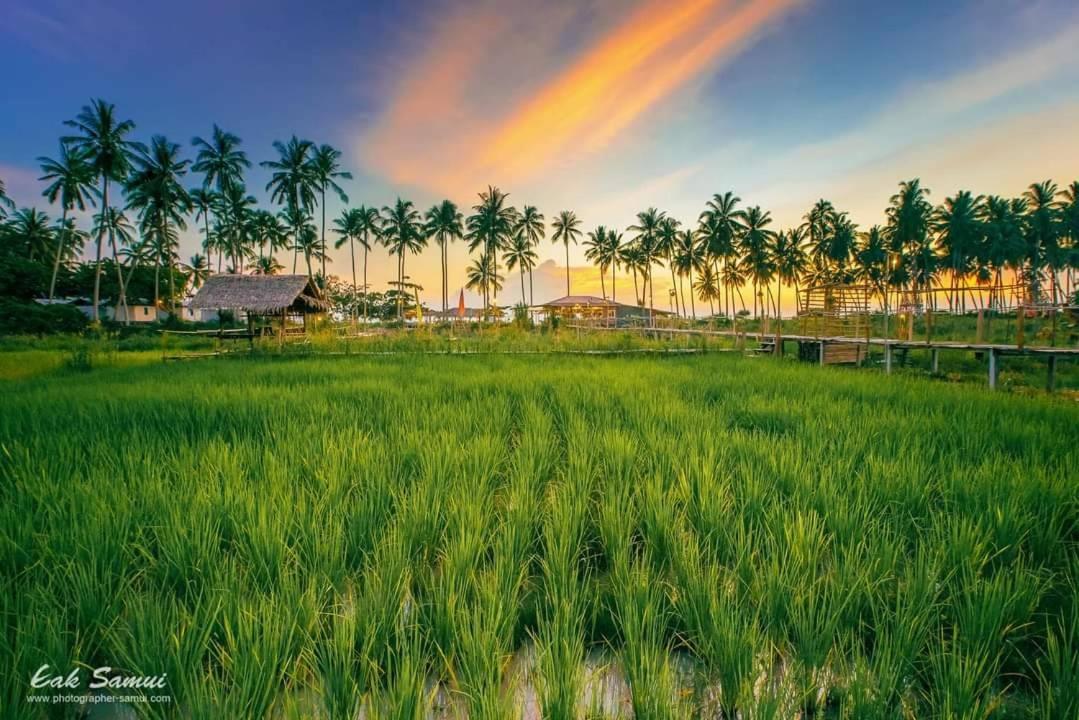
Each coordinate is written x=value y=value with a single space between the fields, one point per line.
x=260 y=294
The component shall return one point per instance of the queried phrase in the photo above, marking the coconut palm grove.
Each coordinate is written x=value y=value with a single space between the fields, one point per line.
x=479 y=360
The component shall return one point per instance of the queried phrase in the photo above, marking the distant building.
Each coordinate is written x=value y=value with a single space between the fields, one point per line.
x=596 y=310
x=135 y=313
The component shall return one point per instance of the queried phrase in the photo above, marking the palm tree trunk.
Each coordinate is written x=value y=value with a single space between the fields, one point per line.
x=567 y=266
x=352 y=259
x=119 y=275
x=674 y=284
x=323 y=243
x=603 y=283
x=531 y=288
x=651 y=297
x=692 y=300
x=59 y=252
x=172 y=278
x=614 y=273
x=365 y=248
x=97 y=259
x=445 y=279
x=400 y=283
x=522 y=268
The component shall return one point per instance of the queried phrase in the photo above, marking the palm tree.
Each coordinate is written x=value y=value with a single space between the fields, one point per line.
x=720 y=226
x=688 y=256
x=666 y=239
x=31 y=232
x=632 y=258
x=531 y=227
x=490 y=228
x=482 y=276
x=325 y=171
x=733 y=277
x=647 y=232
x=114 y=223
x=297 y=221
x=567 y=229
x=292 y=183
x=222 y=164
x=957 y=224
x=594 y=253
x=307 y=242
x=401 y=230
x=198 y=269
x=612 y=249
x=267 y=231
x=347 y=227
x=268 y=265
x=1004 y=246
x=369 y=226
x=1042 y=236
x=236 y=227
x=155 y=187
x=203 y=202
x=521 y=254
x=135 y=250
x=909 y=216
x=707 y=287
x=445 y=223
x=220 y=160
x=871 y=261
x=790 y=260
x=1069 y=216
x=71 y=180
x=102 y=139
x=756 y=242
x=6 y=203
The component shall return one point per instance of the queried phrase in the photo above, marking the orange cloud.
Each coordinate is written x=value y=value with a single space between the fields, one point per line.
x=465 y=113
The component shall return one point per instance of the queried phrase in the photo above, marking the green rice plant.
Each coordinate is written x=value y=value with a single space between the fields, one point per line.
x=199 y=516
x=405 y=695
x=257 y=652
x=815 y=620
x=990 y=611
x=559 y=644
x=1057 y=670
x=722 y=634
x=642 y=610
x=481 y=650
x=962 y=681
x=342 y=660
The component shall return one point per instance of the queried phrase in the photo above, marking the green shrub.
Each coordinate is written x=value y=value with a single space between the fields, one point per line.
x=30 y=318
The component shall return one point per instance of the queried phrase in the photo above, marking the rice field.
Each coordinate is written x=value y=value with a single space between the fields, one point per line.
x=522 y=537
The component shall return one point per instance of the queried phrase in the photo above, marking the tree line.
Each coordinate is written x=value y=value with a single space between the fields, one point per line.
x=142 y=203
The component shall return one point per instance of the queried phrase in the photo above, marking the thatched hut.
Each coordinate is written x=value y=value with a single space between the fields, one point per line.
x=276 y=300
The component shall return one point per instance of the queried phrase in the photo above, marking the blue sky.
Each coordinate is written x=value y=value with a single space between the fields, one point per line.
x=601 y=106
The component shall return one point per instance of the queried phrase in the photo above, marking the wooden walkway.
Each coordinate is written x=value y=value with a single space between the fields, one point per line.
x=995 y=351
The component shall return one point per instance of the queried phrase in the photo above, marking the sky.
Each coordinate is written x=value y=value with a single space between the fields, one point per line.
x=604 y=107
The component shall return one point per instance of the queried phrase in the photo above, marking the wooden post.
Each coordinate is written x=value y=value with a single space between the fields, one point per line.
x=936 y=360
x=888 y=358
x=1020 y=339
x=822 y=353
x=993 y=368
x=980 y=338
x=928 y=325
x=1051 y=377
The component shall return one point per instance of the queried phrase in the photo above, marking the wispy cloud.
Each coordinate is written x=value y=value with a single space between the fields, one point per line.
x=458 y=119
